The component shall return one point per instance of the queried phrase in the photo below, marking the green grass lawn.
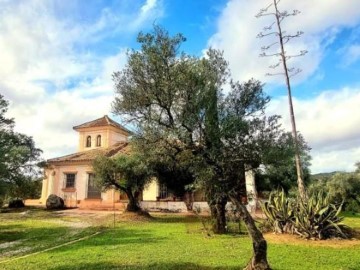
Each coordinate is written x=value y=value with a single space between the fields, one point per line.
x=166 y=242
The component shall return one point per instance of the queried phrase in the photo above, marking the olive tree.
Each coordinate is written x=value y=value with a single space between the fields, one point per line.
x=178 y=105
x=126 y=173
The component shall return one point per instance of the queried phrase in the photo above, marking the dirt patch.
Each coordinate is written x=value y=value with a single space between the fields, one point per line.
x=15 y=252
x=289 y=239
x=10 y=244
x=79 y=224
x=135 y=216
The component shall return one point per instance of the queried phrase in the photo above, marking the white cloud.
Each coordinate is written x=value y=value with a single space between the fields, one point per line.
x=329 y=121
x=51 y=81
x=237 y=28
x=352 y=54
x=150 y=11
x=148 y=6
x=330 y=124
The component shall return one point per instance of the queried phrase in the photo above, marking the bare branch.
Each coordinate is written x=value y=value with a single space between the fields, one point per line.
x=295 y=72
x=275 y=74
x=264 y=48
x=269 y=55
x=275 y=65
x=263 y=10
x=267 y=28
x=261 y=35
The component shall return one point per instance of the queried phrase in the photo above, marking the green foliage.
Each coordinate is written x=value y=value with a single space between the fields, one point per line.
x=123 y=171
x=279 y=210
x=279 y=171
x=18 y=159
x=352 y=206
x=316 y=218
x=180 y=108
x=127 y=173
x=341 y=188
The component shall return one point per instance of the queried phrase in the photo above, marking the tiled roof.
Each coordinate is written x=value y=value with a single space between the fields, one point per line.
x=90 y=155
x=102 y=122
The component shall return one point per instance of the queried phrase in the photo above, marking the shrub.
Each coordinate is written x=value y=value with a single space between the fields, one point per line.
x=279 y=211
x=352 y=206
x=16 y=203
x=316 y=218
x=341 y=188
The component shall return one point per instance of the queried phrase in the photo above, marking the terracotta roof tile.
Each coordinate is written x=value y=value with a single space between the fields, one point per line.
x=101 y=122
x=90 y=155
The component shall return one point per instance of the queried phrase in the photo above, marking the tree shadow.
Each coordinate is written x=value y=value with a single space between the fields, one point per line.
x=171 y=218
x=157 y=266
x=11 y=232
x=119 y=237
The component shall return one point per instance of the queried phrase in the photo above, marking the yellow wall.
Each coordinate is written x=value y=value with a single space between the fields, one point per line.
x=109 y=136
x=54 y=183
x=151 y=191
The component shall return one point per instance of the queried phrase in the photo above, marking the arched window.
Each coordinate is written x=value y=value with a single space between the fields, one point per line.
x=88 y=141
x=98 y=140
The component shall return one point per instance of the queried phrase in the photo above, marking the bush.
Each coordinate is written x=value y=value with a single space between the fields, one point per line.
x=279 y=211
x=352 y=206
x=16 y=203
x=316 y=218
x=341 y=188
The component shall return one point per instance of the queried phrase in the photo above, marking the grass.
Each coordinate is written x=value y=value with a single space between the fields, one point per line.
x=165 y=242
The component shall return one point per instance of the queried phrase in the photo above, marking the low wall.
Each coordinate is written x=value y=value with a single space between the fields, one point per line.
x=171 y=206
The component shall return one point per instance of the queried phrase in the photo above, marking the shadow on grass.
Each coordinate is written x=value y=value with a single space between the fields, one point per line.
x=11 y=232
x=113 y=266
x=119 y=237
x=171 y=218
x=18 y=240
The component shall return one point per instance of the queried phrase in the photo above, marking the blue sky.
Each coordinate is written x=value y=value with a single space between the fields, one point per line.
x=57 y=58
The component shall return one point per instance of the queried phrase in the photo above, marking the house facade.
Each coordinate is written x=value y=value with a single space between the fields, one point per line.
x=71 y=177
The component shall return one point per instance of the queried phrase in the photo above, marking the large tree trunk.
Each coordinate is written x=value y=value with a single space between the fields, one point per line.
x=259 y=259
x=133 y=205
x=218 y=212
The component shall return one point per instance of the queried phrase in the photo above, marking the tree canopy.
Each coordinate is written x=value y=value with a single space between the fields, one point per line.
x=279 y=171
x=127 y=173
x=179 y=106
x=18 y=157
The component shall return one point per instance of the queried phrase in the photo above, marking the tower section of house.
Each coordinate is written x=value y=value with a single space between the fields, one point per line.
x=100 y=133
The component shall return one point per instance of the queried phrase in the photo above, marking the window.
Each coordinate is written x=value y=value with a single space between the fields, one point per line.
x=88 y=141
x=70 y=180
x=94 y=191
x=98 y=140
x=163 y=191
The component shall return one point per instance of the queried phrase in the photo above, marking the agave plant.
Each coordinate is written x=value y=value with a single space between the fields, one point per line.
x=317 y=218
x=279 y=211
